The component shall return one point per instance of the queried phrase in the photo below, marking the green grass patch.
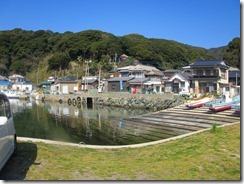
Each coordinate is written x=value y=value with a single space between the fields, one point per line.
x=204 y=156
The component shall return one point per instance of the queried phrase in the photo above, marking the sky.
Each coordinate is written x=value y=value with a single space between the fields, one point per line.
x=202 y=23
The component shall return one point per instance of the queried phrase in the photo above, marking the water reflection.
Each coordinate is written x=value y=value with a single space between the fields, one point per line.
x=97 y=125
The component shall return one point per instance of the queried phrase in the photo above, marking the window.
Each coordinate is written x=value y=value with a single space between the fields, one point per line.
x=2 y=108
x=5 y=109
x=168 y=85
x=157 y=88
x=113 y=86
x=207 y=72
x=211 y=72
x=182 y=84
x=223 y=74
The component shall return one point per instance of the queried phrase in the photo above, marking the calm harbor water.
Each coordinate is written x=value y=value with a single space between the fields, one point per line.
x=97 y=125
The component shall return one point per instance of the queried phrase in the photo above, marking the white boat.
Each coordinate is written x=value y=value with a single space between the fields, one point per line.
x=228 y=104
x=197 y=103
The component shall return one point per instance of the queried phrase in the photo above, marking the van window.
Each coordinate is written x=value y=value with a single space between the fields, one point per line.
x=2 y=107
x=5 y=108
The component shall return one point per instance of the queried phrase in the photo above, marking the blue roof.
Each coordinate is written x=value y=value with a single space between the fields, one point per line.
x=5 y=83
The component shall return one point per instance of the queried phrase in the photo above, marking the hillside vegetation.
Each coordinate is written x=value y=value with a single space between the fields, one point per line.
x=37 y=54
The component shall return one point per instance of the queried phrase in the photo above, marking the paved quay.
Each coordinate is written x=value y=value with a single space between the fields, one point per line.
x=177 y=122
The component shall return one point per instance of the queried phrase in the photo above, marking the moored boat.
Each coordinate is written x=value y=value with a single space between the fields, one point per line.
x=214 y=101
x=220 y=108
x=223 y=106
x=198 y=103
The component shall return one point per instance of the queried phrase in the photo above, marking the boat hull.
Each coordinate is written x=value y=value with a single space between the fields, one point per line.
x=220 y=108
x=197 y=105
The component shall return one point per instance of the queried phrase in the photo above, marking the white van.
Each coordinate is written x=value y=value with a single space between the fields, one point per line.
x=7 y=131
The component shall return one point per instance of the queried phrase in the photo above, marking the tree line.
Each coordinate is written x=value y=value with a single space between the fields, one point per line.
x=29 y=52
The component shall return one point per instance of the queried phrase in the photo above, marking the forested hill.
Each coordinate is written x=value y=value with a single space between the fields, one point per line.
x=27 y=52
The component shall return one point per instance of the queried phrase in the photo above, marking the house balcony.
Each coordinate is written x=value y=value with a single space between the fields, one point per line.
x=205 y=77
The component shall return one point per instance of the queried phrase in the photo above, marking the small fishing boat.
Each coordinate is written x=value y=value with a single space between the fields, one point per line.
x=214 y=101
x=198 y=103
x=223 y=106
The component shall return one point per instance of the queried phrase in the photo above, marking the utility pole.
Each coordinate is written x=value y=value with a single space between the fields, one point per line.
x=87 y=73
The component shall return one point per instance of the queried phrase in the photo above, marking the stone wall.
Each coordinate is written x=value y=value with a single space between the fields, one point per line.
x=132 y=102
x=155 y=102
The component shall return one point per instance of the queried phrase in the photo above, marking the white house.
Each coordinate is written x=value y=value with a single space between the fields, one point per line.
x=147 y=79
x=20 y=83
x=177 y=82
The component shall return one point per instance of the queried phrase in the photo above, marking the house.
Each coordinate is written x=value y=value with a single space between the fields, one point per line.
x=176 y=81
x=137 y=86
x=208 y=76
x=65 y=85
x=146 y=78
x=154 y=83
x=88 y=83
x=20 y=83
x=46 y=85
x=233 y=87
x=234 y=76
x=123 y=57
x=15 y=78
x=118 y=84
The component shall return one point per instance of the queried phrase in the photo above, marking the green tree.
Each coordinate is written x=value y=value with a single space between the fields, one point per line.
x=232 y=53
x=18 y=67
x=59 y=61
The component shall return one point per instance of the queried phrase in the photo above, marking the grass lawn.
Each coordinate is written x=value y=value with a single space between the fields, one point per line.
x=205 y=156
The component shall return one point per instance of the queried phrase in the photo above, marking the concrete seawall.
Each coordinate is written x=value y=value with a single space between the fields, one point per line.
x=152 y=101
x=65 y=97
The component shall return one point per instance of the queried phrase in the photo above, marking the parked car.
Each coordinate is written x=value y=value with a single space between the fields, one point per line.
x=7 y=131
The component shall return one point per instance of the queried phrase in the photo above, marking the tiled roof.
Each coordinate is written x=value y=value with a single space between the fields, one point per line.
x=120 y=79
x=208 y=63
x=233 y=74
x=14 y=76
x=138 y=80
x=3 y=78
x=155 y=72
x=90 y=81
x=138 y=68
